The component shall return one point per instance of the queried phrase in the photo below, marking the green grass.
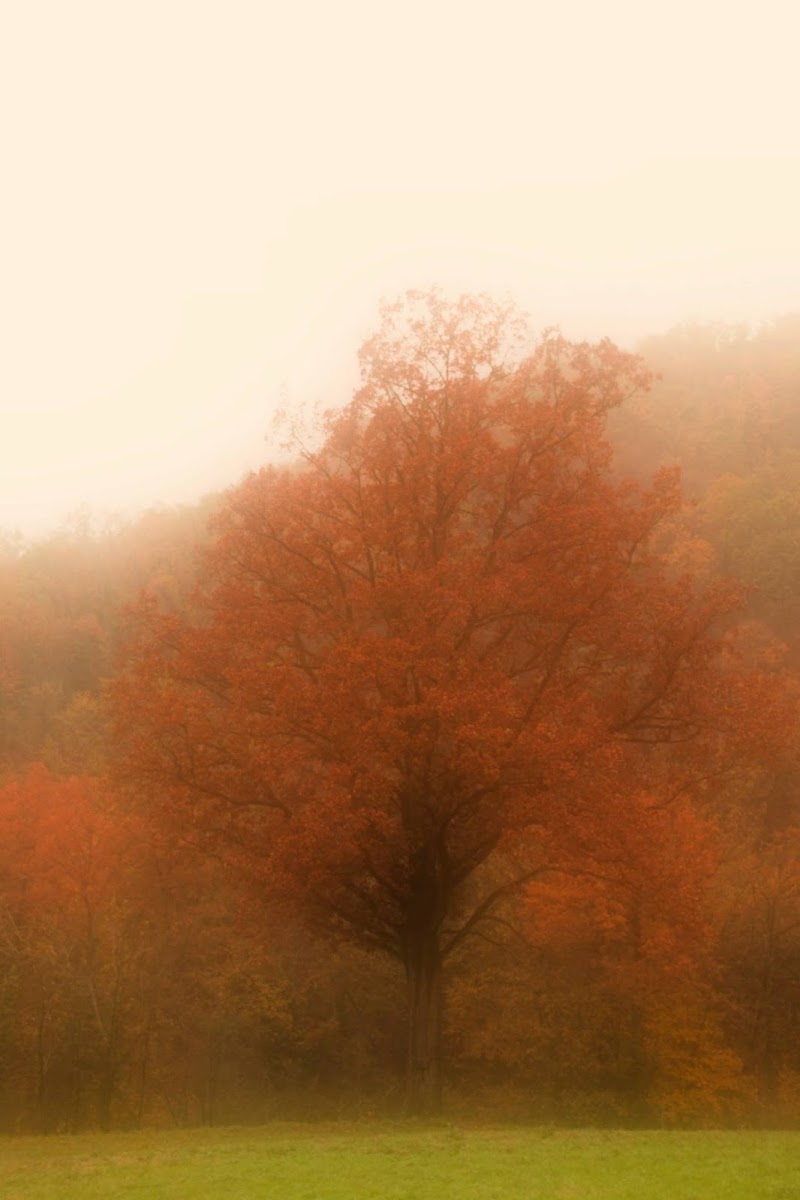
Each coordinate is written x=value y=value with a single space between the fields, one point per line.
x=381 y=1162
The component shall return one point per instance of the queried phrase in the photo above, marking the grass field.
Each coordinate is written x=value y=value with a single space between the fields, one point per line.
x=362 y=1162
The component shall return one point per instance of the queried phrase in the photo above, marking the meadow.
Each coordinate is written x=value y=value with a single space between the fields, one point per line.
x=402 y=1162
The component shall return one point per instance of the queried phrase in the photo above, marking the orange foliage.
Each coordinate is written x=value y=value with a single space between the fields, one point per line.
x=447 y=644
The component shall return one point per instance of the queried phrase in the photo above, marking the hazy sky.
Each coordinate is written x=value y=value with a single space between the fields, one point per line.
x=203 y=201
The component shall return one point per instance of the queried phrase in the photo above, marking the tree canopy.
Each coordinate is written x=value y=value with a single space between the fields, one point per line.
x=422 y=668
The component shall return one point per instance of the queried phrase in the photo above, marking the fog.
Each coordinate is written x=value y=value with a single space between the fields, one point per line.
x=203 y=205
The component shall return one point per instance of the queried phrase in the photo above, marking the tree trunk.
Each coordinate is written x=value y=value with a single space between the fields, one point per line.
x=41 y=1070
x=423 y=1071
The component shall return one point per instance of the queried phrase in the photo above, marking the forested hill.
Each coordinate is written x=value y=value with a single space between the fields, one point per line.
x=726 y=407
x=142 y=979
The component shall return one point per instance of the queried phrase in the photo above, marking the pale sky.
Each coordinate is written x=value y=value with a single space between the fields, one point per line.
x=203 y=201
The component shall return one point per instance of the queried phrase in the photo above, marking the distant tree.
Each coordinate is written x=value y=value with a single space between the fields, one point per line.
x=421 y=671
x=725 y=402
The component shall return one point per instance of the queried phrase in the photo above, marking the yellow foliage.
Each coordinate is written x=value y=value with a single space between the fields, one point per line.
x=698 y=1079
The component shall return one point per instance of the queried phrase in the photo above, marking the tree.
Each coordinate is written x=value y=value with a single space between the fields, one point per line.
x=70 y=942
x=421 y=667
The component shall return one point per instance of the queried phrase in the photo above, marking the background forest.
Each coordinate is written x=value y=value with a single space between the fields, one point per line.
x=142 y=981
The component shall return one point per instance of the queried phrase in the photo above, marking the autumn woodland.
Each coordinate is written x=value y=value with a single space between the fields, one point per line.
x=452 y=765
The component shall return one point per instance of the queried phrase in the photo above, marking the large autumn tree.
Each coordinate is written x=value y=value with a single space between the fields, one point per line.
x=425 y=663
